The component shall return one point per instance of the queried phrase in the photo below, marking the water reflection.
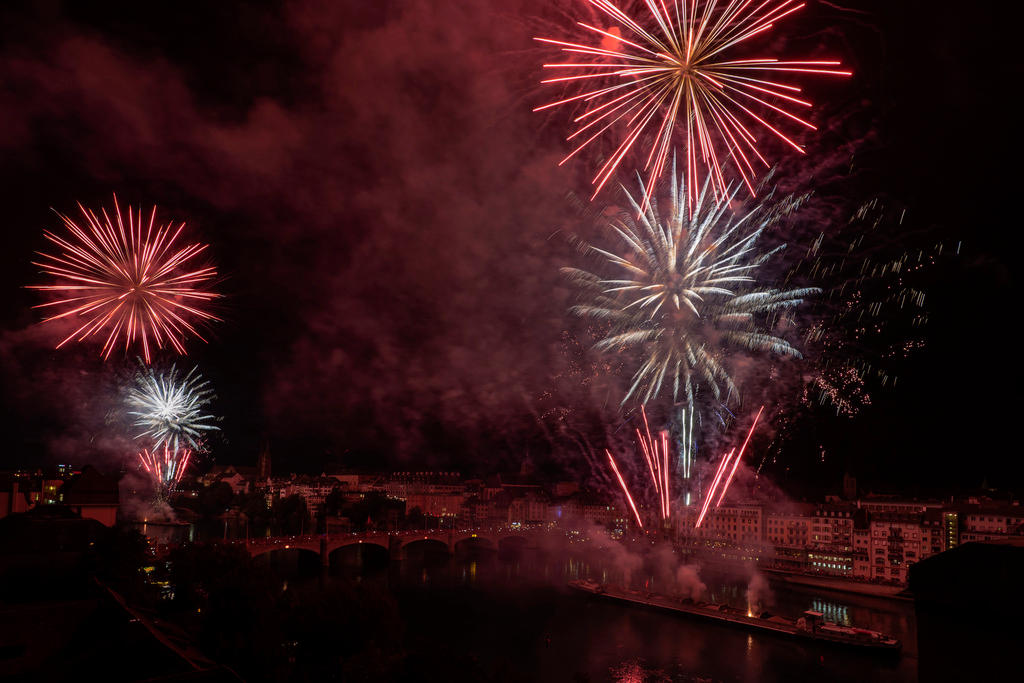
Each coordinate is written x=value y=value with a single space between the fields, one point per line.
x=512 y=612
x=561 y=635
x=832 y=611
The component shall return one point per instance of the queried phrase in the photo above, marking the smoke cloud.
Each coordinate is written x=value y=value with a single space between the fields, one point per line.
x=385 y=207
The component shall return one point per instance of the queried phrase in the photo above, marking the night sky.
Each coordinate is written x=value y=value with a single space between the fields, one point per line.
x=388 y=219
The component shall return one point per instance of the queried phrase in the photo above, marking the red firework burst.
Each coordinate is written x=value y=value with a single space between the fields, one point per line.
x=126 y=280
x=672 y=67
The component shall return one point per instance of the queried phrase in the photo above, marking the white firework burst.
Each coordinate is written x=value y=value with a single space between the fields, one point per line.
x=685 y=294
x=171 y=411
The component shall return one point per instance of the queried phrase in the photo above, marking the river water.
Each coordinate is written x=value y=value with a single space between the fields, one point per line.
x=512 y=617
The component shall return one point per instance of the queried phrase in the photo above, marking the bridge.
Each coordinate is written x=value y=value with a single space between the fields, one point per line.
x=397 y=543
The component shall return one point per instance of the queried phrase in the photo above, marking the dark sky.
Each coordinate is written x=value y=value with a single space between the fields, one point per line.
x=388 y=217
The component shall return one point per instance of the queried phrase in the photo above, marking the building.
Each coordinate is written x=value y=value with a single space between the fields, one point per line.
x=830 y=549
x=401 y=484
x=240 y=479
x=312 y=490
x=529 y=508
x=584 y=509
x=894 y=545
x=991 y=522
x=479 y=511
x=878 y=504
x=93 y=496
x=933 y=532
x=435 y=503
x=788 y=529
x=436 y=494
x=740 y=524
x=861 y=552
x=23 y=490
x=16 y=495
x=787 y=532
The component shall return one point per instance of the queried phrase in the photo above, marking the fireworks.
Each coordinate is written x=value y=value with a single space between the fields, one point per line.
x=675 y=65
x=722 y=467
x=687 y=445
x=686 y=292
x=171 y=411
x=625 y=489
x=655 y=452
x=126 y=280
x=166 y=466
x=872 y=314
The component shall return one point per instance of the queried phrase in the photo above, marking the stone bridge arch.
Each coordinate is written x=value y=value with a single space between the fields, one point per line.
x=468 y=542
x=430 y=544
x=365 y=550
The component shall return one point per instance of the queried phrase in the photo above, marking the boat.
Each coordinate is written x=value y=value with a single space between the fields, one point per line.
x=811 y=626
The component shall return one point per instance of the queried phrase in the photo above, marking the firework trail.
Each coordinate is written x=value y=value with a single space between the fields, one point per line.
x=625 y=489
x=722 y=467
x=687 y=446
x=685 y=293
x=656 y=455
x=682 y=64
x=739 y=456
x=166 y=467
x=714 y=486
x=171 y=411
x=126 y=280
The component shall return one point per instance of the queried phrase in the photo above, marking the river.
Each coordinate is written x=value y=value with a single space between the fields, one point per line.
x=510 y=616
x=513 y=617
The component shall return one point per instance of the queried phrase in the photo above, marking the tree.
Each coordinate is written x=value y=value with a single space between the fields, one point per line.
x=289 y=515
x=334 y=503
x=415 y=519
x=257 y=513
x=215 y=499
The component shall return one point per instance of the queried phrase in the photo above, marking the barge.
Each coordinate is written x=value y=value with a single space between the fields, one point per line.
x=811 y=626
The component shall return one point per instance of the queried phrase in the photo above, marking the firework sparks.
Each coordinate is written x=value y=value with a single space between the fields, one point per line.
x=714 y=485
x=125 y=280
x=656 y=455
x=872 y=313
x=685 y=293
x=169 y=410
x=722 y=467
x=625 y=489
x=655 y=452
x=739 y=456
x=687 y=445
x=676 y=65
x=166 y=466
